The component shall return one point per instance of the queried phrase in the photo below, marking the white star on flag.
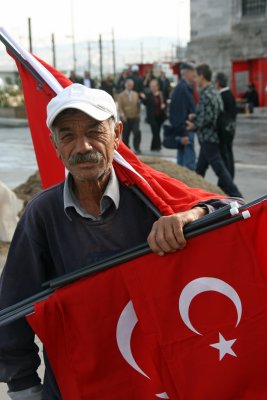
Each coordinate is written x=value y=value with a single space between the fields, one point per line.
x=224 y=346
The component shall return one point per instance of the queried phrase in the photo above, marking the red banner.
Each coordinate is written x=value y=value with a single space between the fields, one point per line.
x=190 y=325
x=36 y=98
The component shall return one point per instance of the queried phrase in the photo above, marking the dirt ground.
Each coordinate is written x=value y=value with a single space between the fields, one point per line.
x=32 y=186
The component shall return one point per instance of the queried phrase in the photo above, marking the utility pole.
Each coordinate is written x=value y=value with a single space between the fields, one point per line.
x=142 y=52
x=73 y=38
x=113 y=54
x=89 y=56
x=53 y=50
x=100 y=57
x=30 y=34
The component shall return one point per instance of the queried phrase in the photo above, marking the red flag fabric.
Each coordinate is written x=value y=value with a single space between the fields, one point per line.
x=207 y=308
x=168 y=194
x=190 y=325
x=36 y=98
x=81 y=341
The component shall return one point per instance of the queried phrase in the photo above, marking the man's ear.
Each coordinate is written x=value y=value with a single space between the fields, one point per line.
x=118 y=132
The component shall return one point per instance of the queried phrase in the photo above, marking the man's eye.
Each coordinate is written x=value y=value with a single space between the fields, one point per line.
x=92 y=134
x=66 y=137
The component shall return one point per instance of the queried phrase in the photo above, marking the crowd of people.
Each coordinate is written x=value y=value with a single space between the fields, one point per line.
x=208 y=115
x=130 y=91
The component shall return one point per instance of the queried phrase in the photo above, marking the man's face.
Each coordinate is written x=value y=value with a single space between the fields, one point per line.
x=129 y=84
x=190 y=76
x=200 y=80
x=217 y=85
x=86 y=146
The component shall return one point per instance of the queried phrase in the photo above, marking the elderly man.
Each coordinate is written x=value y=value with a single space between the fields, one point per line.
x=75 y=223
x=129 y=110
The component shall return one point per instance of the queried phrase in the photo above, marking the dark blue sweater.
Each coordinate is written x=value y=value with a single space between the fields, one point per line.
x=47 y=244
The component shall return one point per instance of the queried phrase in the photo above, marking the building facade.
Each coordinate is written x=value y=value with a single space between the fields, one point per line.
x=231 y=36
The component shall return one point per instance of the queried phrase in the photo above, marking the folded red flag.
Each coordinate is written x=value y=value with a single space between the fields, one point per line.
x=168 y=194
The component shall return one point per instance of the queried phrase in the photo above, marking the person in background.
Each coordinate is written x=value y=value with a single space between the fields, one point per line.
x=147 y=79
x=181 y=106
x=129 y=110
x=164 y=85
x=156 y=112
x=88 y=81
x=138 y=81
x=226 y=122
x=108 y=85
x=120 y=84
x=74 y=77
x=204 y=122
x=252 y=98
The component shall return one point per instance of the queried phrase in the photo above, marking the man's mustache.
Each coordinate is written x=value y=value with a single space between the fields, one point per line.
x=92 y=156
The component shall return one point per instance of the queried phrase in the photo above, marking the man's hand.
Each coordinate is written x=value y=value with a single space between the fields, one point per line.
x=167 y=235
x=184 y=140
x=190 y=126
x=191 y=116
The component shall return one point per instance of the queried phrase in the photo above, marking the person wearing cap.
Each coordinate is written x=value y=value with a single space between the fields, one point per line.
x=75 y=223
x=137 y=79
x=181 y=106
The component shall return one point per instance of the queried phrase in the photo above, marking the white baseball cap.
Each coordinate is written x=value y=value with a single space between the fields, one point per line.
x=97 y=103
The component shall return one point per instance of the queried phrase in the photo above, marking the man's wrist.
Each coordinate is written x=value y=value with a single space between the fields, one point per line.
x=200 y=210
x=33 y=393
x=23 y=383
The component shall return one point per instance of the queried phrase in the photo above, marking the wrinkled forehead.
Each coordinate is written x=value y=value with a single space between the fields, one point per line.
x=70 y=118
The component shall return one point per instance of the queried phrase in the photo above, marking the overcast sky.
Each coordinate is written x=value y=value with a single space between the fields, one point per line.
x=129 y=19
x=133 y=20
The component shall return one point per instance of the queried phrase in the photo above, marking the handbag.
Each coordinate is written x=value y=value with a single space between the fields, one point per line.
x=170 y=138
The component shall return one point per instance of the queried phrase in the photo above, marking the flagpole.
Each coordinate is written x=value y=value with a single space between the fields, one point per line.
x=35 y=64
x=21 y=59
x=189 y=231
x=134 y=253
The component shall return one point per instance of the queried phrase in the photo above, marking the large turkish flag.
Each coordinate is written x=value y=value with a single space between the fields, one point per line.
x=190 y=325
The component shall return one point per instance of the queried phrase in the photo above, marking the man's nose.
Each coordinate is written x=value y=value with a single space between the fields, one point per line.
x=83 y=145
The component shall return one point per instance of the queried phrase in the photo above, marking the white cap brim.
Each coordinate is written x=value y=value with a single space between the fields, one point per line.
x=96 y=103
x=92 y=111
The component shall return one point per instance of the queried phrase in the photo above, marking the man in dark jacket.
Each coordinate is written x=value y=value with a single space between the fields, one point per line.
x=226 y=122
x=183 y=104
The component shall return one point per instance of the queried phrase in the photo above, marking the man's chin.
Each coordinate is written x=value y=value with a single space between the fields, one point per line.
x=86 y=176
